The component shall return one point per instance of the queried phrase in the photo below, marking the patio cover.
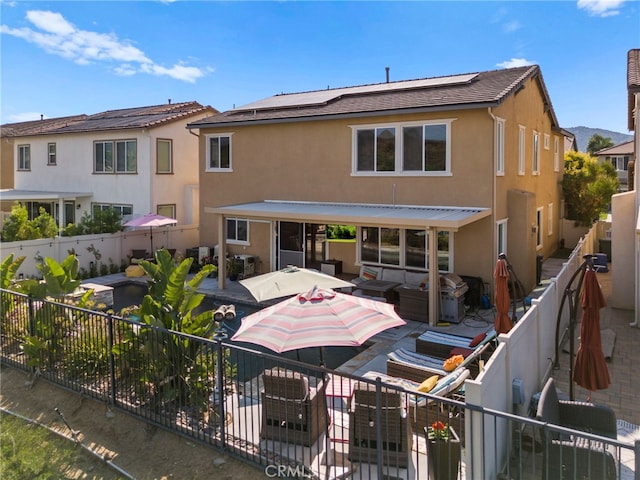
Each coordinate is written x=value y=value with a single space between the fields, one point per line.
x=15 y=195
x=400 y=216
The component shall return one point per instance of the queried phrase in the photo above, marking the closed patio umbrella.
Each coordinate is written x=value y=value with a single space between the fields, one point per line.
x=317 y=318
x=590 y=368
x=289 y=281
x=502 y=322
x=151 y=220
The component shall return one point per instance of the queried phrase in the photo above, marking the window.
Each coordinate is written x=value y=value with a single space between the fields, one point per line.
x=535 y=154
x=168 y=210
x=24 y=157
x=501 y=236
x=124 y=210
x=621 y=163
x=218 y=152
x=550 y=219
x=556 y=154
x=546 y=141
x=164 y=158
x=51 y=158
x=380 y=245
x=402 y=248
x=115 y=156
x=415 y=148
x=539 y=215
x=237 y=230
x=499 y=146
x=521 y=151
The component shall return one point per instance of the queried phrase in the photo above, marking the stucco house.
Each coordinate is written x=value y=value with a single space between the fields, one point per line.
x=625 y=209
x=619 y=156
x=446 y=171
x=137 y=160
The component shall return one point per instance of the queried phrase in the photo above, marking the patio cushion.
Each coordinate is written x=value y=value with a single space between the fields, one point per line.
x=428 y=384
x=477 y=339
x=369 y=273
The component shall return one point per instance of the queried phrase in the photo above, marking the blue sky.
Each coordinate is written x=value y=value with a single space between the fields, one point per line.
x=71 y=57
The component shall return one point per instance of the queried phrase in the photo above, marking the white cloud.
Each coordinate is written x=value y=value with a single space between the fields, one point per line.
x=54 y=34
x=515 y=62
x=600 y=8
x=512 y=26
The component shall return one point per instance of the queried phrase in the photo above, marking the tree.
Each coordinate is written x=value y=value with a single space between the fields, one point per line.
x=587 y=187
x=19 y=227
x=598 y=142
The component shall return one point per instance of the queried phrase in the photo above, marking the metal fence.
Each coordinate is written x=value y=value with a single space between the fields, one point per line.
x=293 y=419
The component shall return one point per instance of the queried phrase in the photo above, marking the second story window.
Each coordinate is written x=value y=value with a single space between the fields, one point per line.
x=499 y=146
x=164 y=158
x=521 y=145
x=218 y=152
x=24 y=157
x=415 y=148
x=115 y=156
x=535 y=158
x=51 y=154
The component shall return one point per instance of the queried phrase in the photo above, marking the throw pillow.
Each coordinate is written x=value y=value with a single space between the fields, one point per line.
x=477 y=339
x=451 y=363
x=465 y=352
x=428 y=384
x=369 y=273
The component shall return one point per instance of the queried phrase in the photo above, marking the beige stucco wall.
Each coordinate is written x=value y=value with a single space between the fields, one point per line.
x=312 y=161
x=622 y=250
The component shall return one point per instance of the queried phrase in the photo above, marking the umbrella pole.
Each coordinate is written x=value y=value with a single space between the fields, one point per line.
x=151 y=237
x=573 y=297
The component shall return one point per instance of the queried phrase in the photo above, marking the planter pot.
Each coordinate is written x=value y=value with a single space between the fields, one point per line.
x=444 y=457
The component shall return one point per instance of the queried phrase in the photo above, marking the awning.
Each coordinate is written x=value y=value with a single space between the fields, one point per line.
x=407 y=216
x=38 y=195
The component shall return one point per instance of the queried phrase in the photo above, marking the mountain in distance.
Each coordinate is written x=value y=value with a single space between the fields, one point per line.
x=584 y=134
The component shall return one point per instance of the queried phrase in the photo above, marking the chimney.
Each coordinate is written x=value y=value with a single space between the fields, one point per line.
x=387 y=70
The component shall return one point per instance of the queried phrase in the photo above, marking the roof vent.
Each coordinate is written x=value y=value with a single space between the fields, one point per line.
x=387 y=70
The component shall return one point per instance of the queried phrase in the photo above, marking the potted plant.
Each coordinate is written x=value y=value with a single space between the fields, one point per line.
x=234 y=268
x=443 y=451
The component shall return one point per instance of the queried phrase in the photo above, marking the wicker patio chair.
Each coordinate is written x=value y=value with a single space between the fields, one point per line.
x=423 y=411
x=292 y=412
x=394 y=425
x=570 y=456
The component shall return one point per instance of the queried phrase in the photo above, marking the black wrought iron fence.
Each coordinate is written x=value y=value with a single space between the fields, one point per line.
x=291 y=418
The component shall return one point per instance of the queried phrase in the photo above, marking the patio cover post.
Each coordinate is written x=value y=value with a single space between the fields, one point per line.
x=434 y=276
x=222 y=252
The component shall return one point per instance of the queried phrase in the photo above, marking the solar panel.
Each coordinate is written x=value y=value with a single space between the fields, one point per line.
x=320 y=97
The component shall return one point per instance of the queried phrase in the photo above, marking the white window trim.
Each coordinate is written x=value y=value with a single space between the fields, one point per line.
x=20 y=158
x=535 y=153
x=398 y=172
x=50 y=155
x=556 y=154
x=170 y=142
x=209 y=136
x=550 y=219
x=499 y=147
x=234 y=241
x=522 y=131
x=539 y=230
x=502 y=225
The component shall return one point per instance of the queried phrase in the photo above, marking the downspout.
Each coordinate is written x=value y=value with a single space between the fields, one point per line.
x=222 y=252
x=434 y=277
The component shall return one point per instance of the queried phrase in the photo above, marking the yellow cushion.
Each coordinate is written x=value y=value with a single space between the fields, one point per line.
x=134 y=271
x=428 y=384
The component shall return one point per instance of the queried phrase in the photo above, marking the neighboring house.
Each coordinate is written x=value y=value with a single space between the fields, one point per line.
x=625 y=209
x=137 y=160
x=619 y=156
x=448 y=171
x=570 y=142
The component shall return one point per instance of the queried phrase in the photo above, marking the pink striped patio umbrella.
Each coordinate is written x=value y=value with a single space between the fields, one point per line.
x=317 y=318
